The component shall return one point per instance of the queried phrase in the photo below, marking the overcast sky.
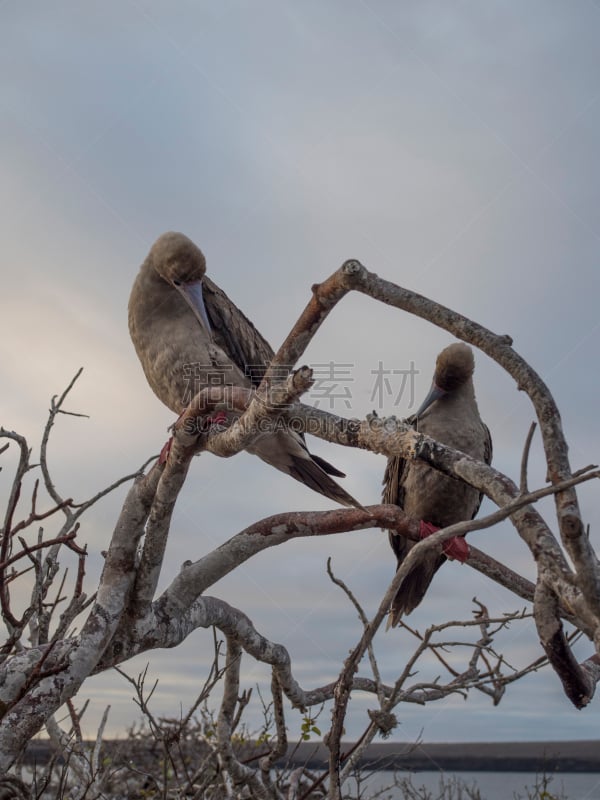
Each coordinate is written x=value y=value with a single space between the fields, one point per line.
x=451 y=146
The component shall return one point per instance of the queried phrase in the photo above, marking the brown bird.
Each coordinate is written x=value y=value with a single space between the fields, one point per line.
x=188 y=335
x=450 y=415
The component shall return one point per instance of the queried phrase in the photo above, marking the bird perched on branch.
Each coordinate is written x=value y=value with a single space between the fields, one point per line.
x=450 y=415
x=189 y=335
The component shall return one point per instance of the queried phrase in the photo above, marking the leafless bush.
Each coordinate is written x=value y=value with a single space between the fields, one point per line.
x=45 y=660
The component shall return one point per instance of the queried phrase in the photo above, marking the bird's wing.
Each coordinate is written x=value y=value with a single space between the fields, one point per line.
x=416 y=582
x=252 y=354
x=487 y=457
x=393 y=492
x=246 y=347
x=488 y=449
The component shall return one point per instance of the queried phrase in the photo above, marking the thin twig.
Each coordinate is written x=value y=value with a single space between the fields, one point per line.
x=55 y=407
x=525 y=458
x=363 y=618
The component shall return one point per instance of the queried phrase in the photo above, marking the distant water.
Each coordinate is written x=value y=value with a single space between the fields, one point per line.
x=491 y=785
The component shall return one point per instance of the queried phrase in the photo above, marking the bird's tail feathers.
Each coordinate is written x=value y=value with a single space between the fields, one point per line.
x=287 y=451
x=310 y=472
x=327 y=467
x=414 y=588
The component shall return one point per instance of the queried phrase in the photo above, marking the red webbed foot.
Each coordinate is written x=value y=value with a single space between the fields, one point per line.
x=455 y=548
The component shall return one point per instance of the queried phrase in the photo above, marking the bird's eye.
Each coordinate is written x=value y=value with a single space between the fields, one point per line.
x=176 y=282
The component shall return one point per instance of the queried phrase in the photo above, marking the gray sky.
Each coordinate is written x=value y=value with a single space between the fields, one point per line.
x=451 y=147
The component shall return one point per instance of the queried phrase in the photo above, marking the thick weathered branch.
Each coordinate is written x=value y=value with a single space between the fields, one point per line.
x=352 y=275
x=227 y=758
x=579 y=683
x=169 y=484
x=285 y=527
x=531 y=526
x=197 y=577
x=263 y=410
x=552 y=565
x=324 y=297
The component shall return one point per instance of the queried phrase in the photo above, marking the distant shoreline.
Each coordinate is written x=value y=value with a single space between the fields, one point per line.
x=569 y=756
x=537 y=757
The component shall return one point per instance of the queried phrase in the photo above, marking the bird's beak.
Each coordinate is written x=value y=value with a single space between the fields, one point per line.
x=434 y=394
x=192 y=294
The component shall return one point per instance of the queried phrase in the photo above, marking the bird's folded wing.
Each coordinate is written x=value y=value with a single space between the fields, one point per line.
x=393 y=492
x=241 y=340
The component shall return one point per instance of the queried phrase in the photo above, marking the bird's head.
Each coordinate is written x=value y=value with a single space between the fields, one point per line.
x=177 y=259
x=454 y=367
x=180 y=263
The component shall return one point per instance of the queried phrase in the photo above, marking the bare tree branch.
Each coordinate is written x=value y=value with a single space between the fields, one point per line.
x=499 y=348
x=124 y=618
